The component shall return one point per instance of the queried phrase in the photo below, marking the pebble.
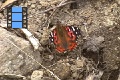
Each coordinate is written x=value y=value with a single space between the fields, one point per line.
x=33 y=6
x=37 y=75
x=79 y=63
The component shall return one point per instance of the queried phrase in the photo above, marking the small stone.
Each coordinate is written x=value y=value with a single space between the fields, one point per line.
x=51 y=57
x=119 y=38
x=75 y=75
x=73 y=68
x=33 y=6
x=37 y=75
x=62 y=70
x=79 y=63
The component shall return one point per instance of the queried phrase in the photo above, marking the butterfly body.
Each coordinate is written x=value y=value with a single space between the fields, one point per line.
x=64 y=37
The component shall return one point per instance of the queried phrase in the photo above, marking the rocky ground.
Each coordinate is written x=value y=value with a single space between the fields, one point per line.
x=96 y=56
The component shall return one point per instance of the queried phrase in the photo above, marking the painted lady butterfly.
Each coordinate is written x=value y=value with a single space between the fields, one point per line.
x=64 y=37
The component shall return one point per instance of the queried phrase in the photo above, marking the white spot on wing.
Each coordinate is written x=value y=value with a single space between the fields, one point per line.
x=73 y=28
x=54 y=34
x=77 y=28
x=51 y=34
x=51 y=39
x=68 y=29
x=76 y=32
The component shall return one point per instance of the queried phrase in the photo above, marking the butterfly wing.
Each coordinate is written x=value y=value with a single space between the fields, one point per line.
x=71 y=34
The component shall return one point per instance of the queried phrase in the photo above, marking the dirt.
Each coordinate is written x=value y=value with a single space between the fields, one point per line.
x=98 y=46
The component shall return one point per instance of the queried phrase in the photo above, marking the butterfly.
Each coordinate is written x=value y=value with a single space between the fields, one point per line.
x=64 y=37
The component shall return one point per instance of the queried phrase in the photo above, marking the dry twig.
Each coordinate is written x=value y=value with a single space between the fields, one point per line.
x=62 y=3
x=4 y=5
x=34 y=41
x=58 y=6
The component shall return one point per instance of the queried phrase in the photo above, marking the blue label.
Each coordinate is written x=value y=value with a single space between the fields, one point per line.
x=16 y=9
x=16 y=16
x=16 y=24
